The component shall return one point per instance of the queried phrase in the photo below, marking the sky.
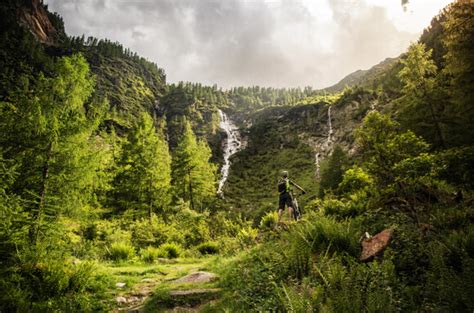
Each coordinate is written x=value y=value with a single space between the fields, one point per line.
x=273 y=43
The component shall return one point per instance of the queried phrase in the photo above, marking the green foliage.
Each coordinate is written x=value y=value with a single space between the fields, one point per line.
x=356 y=179
x=144 y=175
x=53 y=285
x=169 y=251
x=193 y=176
x=358 y=287
x=383 y=145
x=48 y=133
x=458 y=38
x=208 y=248
x=120 y=251
x=451 y=274
x=152 y=231
x=423 y=105
x=331 y=175
x=247 y=236
x=269 y=221
x=456 y=166
x=150 y=254
x=254 y=279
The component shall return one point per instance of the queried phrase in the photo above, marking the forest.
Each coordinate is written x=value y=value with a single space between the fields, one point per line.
x=109 y=177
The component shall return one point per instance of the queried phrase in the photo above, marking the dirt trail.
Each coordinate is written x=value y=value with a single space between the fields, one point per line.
x=187 y=290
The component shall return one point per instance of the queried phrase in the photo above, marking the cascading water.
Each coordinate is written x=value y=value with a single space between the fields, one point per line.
x=318 y=167
x=325 y=147
x=231 y=145
x=329 y=127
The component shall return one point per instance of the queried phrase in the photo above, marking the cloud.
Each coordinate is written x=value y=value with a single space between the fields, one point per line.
x=236 y=42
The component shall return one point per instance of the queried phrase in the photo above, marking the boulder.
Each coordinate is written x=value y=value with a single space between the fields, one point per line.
x=120 y=285
x=197 y=277
x=121 y=300
x=374 y=246
x=192 y=297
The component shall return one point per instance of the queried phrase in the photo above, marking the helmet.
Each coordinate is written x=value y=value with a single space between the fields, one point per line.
x=284 y=174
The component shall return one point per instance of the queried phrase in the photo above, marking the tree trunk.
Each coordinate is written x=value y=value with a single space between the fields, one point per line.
x=37 y=217
x=150 y=207
x=437 y=126
x=191 y=190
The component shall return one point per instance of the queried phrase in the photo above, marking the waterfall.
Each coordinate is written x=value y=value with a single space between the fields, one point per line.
x=318 y=168
x=324 y=147
x=330 y=131
x=231 y=145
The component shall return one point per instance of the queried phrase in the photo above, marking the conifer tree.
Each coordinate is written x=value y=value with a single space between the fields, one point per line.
x=332 y=174
x=48 y=133
x=143 y=181
x=193 y=176
x=423 y=108
x=459 y=43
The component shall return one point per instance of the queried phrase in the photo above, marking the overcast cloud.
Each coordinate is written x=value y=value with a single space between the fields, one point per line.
x=254 y=42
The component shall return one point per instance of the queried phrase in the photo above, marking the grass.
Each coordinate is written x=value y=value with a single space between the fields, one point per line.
x=162 y=274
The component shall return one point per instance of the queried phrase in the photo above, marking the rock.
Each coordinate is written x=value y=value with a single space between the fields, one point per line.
x=197 y=277
x=35 y=17
x=193 y=292
x=133 y=299
x=192 y=297
x=375 y=245
x=148 y=280
x=121 y=300
x=120 y=285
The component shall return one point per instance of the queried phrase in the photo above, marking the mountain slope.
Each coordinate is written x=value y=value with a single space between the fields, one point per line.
x=365 y=78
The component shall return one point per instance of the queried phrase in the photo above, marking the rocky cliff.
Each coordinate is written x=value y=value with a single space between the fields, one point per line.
x=34 y=15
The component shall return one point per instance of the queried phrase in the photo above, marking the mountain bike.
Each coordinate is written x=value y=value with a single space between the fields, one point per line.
x=297 y=213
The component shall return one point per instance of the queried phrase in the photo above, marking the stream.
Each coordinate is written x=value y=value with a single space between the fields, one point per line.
x=231 y=145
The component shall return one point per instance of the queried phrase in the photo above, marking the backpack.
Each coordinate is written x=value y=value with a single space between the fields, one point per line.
x=283 y=186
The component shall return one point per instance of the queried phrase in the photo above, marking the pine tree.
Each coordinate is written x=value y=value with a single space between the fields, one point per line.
x=48 y=133
x=143 y=181
x=422 y=106
x=459 y=42
x=332 y=174
x=193 y=176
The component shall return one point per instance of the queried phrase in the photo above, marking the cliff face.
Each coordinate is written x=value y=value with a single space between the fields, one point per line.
x=34 y=16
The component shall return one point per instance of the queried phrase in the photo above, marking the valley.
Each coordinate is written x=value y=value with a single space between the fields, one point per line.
x=121 y=191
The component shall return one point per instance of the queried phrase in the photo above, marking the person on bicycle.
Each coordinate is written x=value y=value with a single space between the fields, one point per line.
x=286 y=196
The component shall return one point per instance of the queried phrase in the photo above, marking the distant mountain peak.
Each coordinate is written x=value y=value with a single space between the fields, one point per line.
x=363 y=77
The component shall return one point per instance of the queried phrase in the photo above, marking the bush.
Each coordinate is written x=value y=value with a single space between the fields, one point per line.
x=119 y=251
x=269 y=221
x=169 y=251
x=353 y=287
x=154 y=231
x=53 y=286
x=247 y=236
x=149 y=254
x=208 y=248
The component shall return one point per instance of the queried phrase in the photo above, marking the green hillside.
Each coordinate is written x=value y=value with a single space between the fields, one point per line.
x=109 y=176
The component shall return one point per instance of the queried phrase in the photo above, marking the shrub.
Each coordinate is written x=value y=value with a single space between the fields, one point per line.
x=154 y=231
x=355 y=179
x=121 y=251
x=269 y=221
x=353 y=287
x=247 y=236
x=53 y=286
x=193 y=226
x=169 y=251
x=322 y=233
x=149 y=254
x=208 y=248
x=89 y=232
